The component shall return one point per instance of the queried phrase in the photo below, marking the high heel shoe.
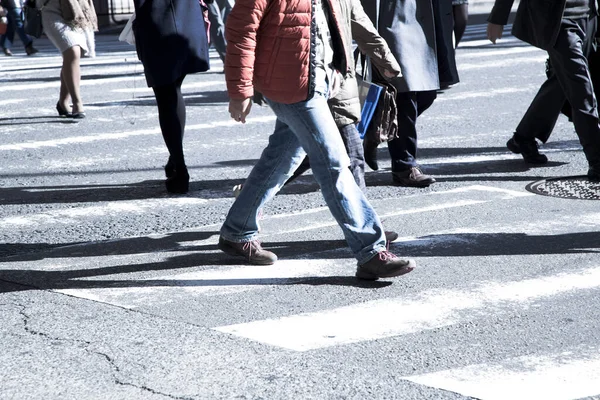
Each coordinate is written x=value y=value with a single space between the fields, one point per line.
x=61 y=111
x=178 y=183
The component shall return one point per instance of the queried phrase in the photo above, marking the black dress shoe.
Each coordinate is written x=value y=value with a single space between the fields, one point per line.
x=179 y=183
x=527 y=148
x=413 y=177
x=61 y=111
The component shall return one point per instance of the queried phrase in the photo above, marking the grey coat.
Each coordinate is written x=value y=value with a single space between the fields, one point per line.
x=345 y=106
x=408 y=27
x=537 y=21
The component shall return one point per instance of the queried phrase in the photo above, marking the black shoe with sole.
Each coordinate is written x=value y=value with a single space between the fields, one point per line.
x=178 y=183
x=528 y=149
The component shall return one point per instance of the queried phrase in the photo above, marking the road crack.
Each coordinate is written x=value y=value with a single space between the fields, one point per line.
x=116 y=370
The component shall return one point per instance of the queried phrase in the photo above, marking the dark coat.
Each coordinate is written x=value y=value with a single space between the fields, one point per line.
x=170 y=37
x=537 y=21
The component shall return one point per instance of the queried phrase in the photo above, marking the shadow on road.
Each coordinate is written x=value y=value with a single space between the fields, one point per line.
x=203 y=255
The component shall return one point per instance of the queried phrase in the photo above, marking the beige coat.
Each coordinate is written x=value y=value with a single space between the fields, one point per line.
x=345 y=106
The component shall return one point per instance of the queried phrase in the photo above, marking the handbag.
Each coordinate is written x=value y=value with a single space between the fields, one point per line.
x=32 y=18
x=380 y=122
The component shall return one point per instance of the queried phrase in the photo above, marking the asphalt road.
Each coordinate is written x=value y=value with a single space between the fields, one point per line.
x=112 y=289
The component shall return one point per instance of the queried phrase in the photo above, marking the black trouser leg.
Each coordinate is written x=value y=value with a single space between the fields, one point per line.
x=403 y=149
x=541 y=116
x=171 y=116
x=572 y=72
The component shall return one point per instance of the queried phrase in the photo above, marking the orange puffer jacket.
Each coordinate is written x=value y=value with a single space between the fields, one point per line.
x=269 y=45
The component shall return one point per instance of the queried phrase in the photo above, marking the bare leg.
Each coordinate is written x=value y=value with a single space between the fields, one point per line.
x=64 y=98
x=71 y=76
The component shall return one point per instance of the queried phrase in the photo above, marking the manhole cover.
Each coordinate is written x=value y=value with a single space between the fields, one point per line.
x=570 y=187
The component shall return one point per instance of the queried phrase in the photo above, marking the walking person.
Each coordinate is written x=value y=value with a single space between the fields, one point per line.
x=561 y=30
x=345 y=105
x=409 y=28
x=15 y=25
x=552 y=100
x=295 y=79
x=65 y=23
x=171 y=42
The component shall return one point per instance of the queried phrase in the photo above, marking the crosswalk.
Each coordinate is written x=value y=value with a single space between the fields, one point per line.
x=503 y=304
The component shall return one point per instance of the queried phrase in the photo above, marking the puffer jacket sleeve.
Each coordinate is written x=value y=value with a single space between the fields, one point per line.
x=370 y=42
x=241 y=32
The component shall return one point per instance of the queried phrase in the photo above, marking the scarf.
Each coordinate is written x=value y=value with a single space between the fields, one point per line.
x=79 y=14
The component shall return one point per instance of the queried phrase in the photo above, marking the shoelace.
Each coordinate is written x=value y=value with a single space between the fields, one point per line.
x=252 y=245
x=415 y=171
x=386 y=256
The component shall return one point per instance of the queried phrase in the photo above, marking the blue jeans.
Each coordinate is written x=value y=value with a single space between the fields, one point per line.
x=15 y=24
x=301 y=128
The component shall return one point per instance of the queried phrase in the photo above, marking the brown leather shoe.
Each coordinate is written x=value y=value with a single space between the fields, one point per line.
x=252 y=251
x=384 y=265
x=413 y=177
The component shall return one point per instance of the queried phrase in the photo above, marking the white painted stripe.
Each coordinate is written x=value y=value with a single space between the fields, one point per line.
x=214 y=282
x=503 y=63
x=483 y=42
x=185 y=86
x=72 y=215
x=400 y=316
x=496 y=53
x=11 y=101
x=487 y=93
x=84 y=82
x=549 y=377
x=22 y=67
x=121 y=135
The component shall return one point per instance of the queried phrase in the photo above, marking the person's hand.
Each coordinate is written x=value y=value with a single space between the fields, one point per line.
x=494 y=32
x=238 y=109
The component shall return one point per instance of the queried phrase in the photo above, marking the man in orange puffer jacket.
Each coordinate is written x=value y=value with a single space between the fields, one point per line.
x=293 y=52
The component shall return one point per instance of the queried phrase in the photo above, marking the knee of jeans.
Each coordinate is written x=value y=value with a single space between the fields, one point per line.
x=335 y=163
